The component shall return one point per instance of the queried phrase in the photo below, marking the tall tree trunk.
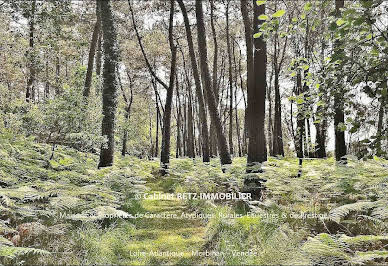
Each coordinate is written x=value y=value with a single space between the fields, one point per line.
x=230 y=79
x=257 y=150
x=31 y=54
x=321 y=129
x=213 y=137
x=379 y=135
x=156 y=154
x=57 y=76
x=300 y=124
x=165 y=151
x=198 y=88
x=99 y=53
x=339 y=116
x=128 y=103
x=178 y=121
x=92 y=51
x=270 y=128
x=190 y=125
x=249 y=53
x=47 y=86
x=235 y=99
x=150 y=129
x=277 y=130
x=110 y=86
x=202 y=46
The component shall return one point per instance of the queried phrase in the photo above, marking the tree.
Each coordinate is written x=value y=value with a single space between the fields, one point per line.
x=213 y=137
x=205 y=73
x=31 y=54
x=249 y=51
x=202 y=110
x=166 y=131
x=92 y=52
x=257 y=150
x=110 y=85
x=128 y=106
x=230 y=78
x=339 y=116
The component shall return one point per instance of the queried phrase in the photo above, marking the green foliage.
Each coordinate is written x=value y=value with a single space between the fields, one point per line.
x=278 y=13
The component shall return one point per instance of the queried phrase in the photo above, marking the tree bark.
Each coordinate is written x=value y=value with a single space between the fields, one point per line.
x=128 y=103
x=99 y=53
x=31 y=54
x=202 y=46
x=300 y=124
x=213 y=137
x=165 y=150
x=277 y=132
x=190 y=125
x=249 y=51
x=379 y=135
x=198 y=88
x=110 y=86
x=230 y=79
x=257 y=150
x=92 y=51
x=339 y=116
x=178 y=122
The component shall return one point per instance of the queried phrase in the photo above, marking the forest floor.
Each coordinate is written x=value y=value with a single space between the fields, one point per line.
x=66 y=211
x=166 y=240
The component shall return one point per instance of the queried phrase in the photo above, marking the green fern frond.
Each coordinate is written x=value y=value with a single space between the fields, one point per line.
x=14 y=252
x=341 y=212
x=324 y=246
x=362 y=239
x=368 y=256
x=65 y=202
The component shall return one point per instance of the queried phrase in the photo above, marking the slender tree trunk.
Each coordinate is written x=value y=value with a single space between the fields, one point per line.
x=57 y=76
x=198 y=88
x=99 y=53
x=235 y=100
x=277 y=133
x=213 y=137
x=47 y=86
x=202 y=46
x=339 y=116
x=110 y=86
x=379 y=150
x=31 y=54
x=190 y=126
x=156 y=154
x=249 y=53
x=178 y=122
x=270 y=129
x=257 y=150
x=230 y=79
x=165 y=151
x=92 y=51
x=128 y=103
x=150 y=129
x=300 y=124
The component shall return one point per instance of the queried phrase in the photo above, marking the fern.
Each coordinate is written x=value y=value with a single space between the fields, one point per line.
x=11 y=252
x=368 y=256
x=325 y=248
x=341 y=212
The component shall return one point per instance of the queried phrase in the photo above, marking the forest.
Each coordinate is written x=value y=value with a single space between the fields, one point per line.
x=194 y=132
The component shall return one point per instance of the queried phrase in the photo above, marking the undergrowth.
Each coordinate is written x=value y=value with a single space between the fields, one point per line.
x=65 y=211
